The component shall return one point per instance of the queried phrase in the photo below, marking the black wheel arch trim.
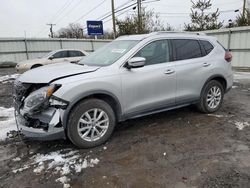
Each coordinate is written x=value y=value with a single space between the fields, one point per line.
x=212 y=78
x=85 y=95
x=36 y=65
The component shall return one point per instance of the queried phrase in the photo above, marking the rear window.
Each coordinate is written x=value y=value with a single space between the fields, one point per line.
x=208 y=47
x=186 y=49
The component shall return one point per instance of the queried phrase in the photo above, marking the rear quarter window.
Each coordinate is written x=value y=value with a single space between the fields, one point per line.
x=208 y=47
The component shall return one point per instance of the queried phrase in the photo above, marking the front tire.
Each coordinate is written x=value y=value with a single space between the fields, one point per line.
x=211 y=97
x=91 y=123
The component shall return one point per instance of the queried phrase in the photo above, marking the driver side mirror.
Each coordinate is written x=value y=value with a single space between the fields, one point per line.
x=136 y=62
x=51 y=57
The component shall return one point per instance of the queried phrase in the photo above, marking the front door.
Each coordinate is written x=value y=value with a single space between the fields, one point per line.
x=153 y=86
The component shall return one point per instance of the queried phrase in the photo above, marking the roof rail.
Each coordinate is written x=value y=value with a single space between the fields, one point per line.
x=178 y=32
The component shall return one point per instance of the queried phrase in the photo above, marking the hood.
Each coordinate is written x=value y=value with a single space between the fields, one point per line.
x=32 y=61
x=49 y=73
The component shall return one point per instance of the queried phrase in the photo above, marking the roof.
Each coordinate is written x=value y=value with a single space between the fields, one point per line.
x=164 y=34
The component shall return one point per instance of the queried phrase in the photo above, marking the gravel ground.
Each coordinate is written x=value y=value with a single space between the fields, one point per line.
x=180 y=148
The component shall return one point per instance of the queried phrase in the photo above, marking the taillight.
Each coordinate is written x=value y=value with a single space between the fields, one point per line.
x=228 y=56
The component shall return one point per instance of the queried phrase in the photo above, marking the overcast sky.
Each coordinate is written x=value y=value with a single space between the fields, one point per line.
x=18 y=17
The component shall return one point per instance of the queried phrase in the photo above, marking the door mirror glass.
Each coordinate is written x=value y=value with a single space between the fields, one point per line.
x=136 y=62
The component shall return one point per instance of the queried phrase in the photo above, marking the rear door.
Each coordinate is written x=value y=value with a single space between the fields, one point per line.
x=192 y=69
x=152 y=86
x=75 y=56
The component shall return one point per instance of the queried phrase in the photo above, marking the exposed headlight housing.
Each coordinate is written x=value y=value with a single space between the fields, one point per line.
x=39 y=98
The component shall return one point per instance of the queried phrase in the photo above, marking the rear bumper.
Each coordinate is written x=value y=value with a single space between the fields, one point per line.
x=53 y=130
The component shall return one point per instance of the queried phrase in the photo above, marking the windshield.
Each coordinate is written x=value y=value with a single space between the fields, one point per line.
x=109 y=53
x=48 y=54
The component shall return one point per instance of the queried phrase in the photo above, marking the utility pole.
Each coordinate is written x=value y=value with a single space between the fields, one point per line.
x=244 y=8
x=113 y=17
x=139 y=15
x=51 y=29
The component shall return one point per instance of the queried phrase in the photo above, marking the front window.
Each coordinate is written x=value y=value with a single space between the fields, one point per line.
x=109 y=53
x=155 y=52
x=48 y=54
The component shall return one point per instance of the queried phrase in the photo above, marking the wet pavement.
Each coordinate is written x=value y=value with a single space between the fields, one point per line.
x=180 y=148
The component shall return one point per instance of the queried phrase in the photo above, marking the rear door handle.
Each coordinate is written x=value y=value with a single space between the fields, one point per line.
x=169 y=71
x=206 y=64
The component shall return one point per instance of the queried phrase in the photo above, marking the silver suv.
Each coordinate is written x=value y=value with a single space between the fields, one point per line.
x=130 y=77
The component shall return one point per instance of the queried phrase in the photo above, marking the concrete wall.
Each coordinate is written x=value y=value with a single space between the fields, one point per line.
x=18 y=49
x=238 y=41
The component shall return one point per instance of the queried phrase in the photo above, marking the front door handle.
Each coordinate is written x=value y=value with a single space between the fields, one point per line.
x=169 y=71
x=206 y=64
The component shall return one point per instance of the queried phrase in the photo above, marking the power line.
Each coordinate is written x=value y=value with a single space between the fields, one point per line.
x=185 y=13
x=60 y=11
x=118 y=11
x=70 y=11
x=226 y=3
x=90 y=11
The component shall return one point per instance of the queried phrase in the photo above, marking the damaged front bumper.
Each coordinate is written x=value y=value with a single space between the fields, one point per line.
x=43 y=126
x=38 y=111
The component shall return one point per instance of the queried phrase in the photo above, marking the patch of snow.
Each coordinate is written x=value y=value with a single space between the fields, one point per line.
x=220 y=116
x=94 y=162
x=16 y=159
x=8 y=78
x=63 y=162
x=39 y=168
x=7 y=122
x=164 y=153
x=241 y=125
x=21 y=169
x=234 y=87
x=216 y=115
x=104 y=148
x=64 y=180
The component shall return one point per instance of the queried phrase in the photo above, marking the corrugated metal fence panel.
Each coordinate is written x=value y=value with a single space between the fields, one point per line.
x=78 y=44
x=239 y=43
x=18 y=49
x=42 y=45
x=7 y=46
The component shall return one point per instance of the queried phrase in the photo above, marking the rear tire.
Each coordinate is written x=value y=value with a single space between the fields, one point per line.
x=211 y=97
x=91 y=123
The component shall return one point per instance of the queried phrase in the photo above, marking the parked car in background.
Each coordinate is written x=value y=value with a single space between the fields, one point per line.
x=132 y=76
x=5 y=64
x=57 y=56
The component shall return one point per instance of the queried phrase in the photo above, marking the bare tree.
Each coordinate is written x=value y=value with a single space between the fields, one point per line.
x=71 y=31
